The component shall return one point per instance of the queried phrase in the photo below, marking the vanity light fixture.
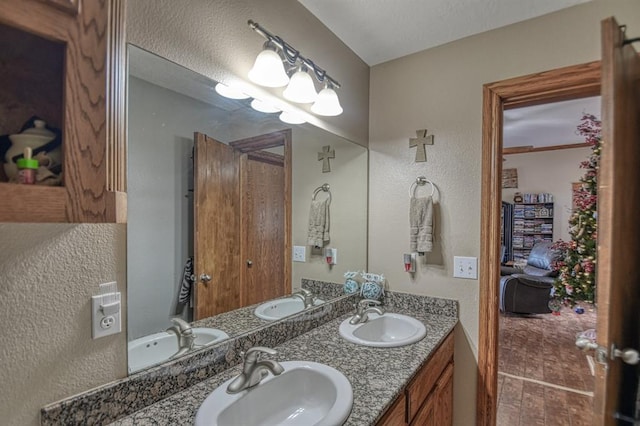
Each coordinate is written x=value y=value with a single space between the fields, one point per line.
x=327 y=102
x=301 y=88
x=262 y=106
x=230 y=92
x=291 y=118
x=268 y=70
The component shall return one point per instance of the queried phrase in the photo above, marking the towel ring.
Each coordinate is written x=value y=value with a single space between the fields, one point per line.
x=420 y=180
x=325 y=188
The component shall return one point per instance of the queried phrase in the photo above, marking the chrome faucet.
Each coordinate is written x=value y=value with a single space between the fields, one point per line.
x=185 y=336
x=306 y=296
x=254 y=369
x=364 y=309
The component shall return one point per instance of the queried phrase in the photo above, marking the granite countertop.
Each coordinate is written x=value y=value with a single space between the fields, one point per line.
x=377 y=375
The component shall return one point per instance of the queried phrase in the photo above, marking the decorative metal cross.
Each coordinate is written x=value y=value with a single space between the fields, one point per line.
x=325 y=155
x=420 y=142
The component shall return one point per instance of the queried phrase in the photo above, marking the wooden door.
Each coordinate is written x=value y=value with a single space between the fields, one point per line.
x=262 y=228
x=618 y=225
x=216 y=178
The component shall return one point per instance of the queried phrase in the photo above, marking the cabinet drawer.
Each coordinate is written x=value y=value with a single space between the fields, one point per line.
x=423 y=383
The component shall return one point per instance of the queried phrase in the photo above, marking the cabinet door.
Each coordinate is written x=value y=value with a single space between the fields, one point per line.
x=426 y=379
x=426 y=415
x=444 y=397
x=396 y=415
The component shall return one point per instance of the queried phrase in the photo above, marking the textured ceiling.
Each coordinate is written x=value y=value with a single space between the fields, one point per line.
x=382 y=30
x=547 y=124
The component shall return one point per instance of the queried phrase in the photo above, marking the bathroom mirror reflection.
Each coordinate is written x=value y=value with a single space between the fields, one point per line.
x=169 y=107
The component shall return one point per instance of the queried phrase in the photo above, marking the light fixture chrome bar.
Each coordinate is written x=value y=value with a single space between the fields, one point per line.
x=292 y=55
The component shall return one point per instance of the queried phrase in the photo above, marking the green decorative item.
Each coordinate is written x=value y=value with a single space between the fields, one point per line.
x=577 y=269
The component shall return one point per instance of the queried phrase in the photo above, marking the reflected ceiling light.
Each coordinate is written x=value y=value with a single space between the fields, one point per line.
x=301 y=87
x=268 y=70
x=262 y=106
x=291 y=118
x=230 y=92
x=327 y=102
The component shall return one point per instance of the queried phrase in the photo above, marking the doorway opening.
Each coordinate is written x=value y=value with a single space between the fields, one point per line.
x=557 y=85
x=542 y=375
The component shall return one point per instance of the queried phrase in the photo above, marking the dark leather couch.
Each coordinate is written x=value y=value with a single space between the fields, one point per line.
x=529 y=290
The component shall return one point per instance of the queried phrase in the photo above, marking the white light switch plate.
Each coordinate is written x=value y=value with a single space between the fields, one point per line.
x=465 y=267
x=299 y=254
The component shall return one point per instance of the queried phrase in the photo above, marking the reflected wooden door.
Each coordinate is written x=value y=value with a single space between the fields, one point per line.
x=216 y=254
x=262 y=228
x=265 y=228
x=618 y=227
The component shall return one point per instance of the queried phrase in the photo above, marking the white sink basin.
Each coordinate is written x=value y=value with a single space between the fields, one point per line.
x=280 y=308
x=159 y=347
x=305 y=394
x=384 y=331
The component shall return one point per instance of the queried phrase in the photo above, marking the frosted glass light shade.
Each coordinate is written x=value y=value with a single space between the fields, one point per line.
x=327 y=103
x=230 y=92
x=268 y=70
x=262 y=106
x=300 y=88
x=287 y=117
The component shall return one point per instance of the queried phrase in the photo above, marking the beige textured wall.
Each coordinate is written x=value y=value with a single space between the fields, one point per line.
x=48 y=274
x=213 y=39
x=552 y=172
x=441 y=89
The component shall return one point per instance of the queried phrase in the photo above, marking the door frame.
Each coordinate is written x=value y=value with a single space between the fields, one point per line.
x=572 y=82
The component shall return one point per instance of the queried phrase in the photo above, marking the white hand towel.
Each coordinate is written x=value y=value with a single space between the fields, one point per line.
x=421 y=224
x=318 y=223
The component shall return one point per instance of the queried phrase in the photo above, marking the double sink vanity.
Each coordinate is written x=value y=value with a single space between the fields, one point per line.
x=327 y=365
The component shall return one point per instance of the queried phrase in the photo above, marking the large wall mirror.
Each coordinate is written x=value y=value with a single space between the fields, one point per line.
x=185 y=143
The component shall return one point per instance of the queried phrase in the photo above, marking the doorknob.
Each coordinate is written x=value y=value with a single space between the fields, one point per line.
x=249 y=262
x=628 y=356
x=586 y=344
x=205 y=278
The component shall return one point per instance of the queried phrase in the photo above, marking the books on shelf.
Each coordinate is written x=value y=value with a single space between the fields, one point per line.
x=532 y=223
x=545 y=197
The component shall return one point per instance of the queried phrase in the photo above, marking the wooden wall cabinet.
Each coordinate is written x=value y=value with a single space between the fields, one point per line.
x=428 y=398
x=92 y=114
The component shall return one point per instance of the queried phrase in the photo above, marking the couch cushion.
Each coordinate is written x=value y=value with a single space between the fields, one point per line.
x=542 y=256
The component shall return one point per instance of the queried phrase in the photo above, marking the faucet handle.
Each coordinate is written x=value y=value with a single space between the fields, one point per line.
x=182 y=324
x=305 y=292
x=257 y=350
x=365 y=303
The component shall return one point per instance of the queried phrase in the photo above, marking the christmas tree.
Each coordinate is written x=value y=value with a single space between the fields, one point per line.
x=577 y=267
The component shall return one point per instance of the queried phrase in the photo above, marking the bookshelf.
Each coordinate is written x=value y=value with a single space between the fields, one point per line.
x=532 y=223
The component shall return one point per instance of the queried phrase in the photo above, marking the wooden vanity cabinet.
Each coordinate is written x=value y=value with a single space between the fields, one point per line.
x=428 y=399
x=89 y=108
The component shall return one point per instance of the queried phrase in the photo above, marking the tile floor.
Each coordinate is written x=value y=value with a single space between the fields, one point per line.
x=543 y=379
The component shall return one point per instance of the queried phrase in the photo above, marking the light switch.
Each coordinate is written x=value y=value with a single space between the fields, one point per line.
x=465 y=267
x=299 y=254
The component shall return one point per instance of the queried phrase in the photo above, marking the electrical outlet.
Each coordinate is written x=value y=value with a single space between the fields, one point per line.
x=106 y=311
x=465 y=267
x=299 y=254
